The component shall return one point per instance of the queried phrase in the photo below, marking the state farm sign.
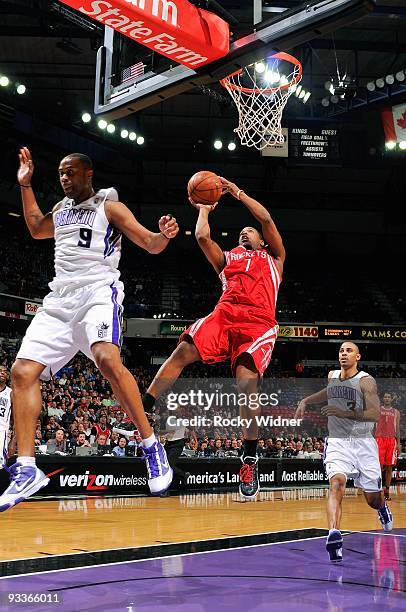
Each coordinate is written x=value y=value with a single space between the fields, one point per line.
x=174 y=28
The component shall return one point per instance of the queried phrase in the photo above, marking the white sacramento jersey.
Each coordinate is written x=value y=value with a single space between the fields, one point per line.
x=5 y=409
x=348 y=396
x=87 y=247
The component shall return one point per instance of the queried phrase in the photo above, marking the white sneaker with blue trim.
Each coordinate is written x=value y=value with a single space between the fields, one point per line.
x=25 y=480
x=160 y=473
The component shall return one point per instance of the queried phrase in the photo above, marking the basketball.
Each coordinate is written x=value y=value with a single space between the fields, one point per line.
x=204 y=187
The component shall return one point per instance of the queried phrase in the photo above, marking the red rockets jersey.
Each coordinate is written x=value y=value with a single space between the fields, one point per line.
x=251 y=278
x=385 y=427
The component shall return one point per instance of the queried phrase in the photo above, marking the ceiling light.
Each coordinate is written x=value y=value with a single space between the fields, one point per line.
x=132 y=135
x=260 y=67
x=400 y=76
x=272 y=76
x=4 y=81
x=325 y=102
x=390 y=79
x=218 y=145
x=390 y=145
x=111 y=128
x=140 y=140
x=231 y=146
x=102 y=123
x=380 y=83
x=402 y=145
x=21 y=89
x=307 y=96
x=124 y=133
x=86 y=117
x=371 y=86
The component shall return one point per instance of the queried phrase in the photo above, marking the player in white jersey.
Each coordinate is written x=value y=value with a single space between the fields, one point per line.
x=350 y=449
x=5 y=415
x=82 y=312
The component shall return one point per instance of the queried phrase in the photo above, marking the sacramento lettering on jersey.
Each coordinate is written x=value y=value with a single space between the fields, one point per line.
x=74 y=216
x=343 y=393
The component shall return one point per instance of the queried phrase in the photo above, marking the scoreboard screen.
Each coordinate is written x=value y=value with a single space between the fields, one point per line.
x=312 y=143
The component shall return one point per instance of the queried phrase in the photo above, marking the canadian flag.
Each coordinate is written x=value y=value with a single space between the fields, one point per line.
x=394 y=122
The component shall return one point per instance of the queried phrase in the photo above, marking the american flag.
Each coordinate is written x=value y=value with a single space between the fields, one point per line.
x=131 y=72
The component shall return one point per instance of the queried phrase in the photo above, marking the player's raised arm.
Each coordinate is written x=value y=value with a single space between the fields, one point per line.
x=123 y=219
x=40 y=225
x=260 y=213
x=202 y=232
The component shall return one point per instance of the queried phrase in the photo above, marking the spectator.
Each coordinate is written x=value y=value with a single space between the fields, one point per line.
x=218 y=448
x=234 y=451
x=261 y=450
x=120 y=449
x=57 y=444
x=101 y=428
x=81 y=441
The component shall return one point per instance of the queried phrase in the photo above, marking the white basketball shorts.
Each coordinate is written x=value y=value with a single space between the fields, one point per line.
x=71 y=322
x=356 y=458
x=3 y=448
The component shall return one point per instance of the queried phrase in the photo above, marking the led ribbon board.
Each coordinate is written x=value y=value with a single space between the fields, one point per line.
x=174 y=28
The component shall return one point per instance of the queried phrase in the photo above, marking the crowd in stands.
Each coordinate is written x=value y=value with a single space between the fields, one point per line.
x=220 y=446
x=79 y=410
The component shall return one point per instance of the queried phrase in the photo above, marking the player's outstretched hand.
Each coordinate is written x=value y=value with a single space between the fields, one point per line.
x=334 y=411
x=26 y=169
x=208 y=207
x=168 y=226
x=229 y=187
x=300 y=410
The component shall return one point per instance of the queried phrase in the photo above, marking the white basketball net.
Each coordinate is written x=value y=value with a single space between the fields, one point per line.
x=260 y=105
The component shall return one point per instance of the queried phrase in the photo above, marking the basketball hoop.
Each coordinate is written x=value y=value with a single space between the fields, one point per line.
x=260 y=108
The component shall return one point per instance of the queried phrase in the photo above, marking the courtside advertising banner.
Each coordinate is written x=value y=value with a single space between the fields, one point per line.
x=174 y=28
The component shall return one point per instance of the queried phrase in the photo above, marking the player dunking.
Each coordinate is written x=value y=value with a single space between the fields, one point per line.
x=82 y=312
x=5 y=415
x=350 y=449
x=387 y=435
x=242 y=326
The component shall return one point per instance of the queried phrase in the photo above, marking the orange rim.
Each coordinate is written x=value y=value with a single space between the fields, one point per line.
x=283 y=56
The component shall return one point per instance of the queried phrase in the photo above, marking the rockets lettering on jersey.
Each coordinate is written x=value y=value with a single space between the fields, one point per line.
x=87 y=247
x=251 y=278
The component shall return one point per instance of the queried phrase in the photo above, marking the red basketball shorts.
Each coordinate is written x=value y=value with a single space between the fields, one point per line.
x=233 y=329
x=388 y=451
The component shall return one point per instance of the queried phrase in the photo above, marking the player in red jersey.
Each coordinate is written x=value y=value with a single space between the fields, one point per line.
x=387 y=434
x=242 y=326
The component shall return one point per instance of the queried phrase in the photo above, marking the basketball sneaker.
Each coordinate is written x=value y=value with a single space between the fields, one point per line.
x=160 y=473
x=334 y=545
x=249 y=481
x=25 y=480
x=386 y=518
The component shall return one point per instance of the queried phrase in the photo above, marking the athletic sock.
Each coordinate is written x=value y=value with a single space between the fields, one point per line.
x=332 y=530
x=250 y=448
x=148 y=442
x=148 y=401
x=26 y=461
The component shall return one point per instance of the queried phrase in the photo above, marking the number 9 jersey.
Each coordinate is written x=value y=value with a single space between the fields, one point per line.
x=87 y=247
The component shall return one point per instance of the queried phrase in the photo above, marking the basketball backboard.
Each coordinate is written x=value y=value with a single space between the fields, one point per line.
x=130 y=77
